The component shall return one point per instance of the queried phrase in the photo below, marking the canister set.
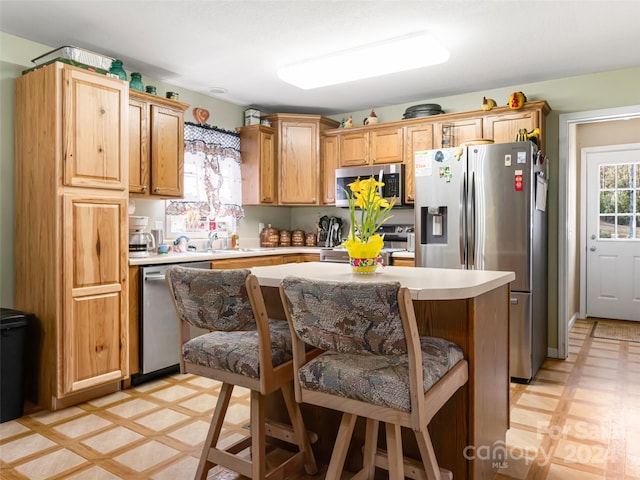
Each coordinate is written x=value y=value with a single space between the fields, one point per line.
x=270 y=237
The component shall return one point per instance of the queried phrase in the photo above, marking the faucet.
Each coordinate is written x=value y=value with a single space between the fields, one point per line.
x=213 y=236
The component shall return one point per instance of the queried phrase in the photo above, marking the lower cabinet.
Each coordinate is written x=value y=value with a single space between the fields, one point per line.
x=402 y=262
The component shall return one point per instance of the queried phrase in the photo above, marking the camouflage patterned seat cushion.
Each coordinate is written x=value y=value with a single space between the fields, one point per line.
x=379 y=380
x=237 y=352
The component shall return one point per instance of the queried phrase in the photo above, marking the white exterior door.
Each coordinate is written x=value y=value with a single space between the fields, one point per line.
x=613 y=231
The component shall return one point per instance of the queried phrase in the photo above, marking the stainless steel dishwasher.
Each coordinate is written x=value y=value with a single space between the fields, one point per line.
x=159 y=351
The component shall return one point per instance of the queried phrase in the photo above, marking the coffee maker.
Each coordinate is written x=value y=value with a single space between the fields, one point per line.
x=140 y=242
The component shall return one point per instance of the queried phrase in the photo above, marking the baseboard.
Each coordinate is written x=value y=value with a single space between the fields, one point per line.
x=552 y=353
x=572 y=321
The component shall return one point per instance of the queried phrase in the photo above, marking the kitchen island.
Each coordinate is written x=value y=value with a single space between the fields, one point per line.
x=468 y=307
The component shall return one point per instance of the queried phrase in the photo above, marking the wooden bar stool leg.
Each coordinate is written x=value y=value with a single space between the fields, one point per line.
x=258 y=441
x=429 y=457
x=394 y=450
x=299 y=429
x=370 y=448
x=214 y=431
x=345 y=431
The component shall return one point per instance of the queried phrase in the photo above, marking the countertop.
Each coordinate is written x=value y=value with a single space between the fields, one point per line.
x=423 y=283
x=174 y=257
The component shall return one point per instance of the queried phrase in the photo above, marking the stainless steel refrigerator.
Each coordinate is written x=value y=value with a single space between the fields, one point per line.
x=484 y=207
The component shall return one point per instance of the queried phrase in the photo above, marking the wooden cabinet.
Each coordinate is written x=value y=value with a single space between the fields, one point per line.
x=156 y=146
x=417 y=137
x=258 y=150
x=402 y=262
x=247 y=262
x=298 y=157
x=72 y=242
x=370 y=146
x=459 y=131
x=329 y=163
x=503 y=127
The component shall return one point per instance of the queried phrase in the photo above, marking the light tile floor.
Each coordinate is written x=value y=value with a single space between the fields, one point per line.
x=578 y=419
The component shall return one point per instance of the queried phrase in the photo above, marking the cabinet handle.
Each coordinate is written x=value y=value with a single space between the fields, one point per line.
x=157 y=189
x=410 y=197
x=365 y=161
x=144 y=188
x=373 y=161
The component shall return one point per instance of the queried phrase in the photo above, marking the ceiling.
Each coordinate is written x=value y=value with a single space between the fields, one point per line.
x=239 y=45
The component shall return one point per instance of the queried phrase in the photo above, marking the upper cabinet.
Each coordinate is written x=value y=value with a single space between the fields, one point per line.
x=156 y=146
x=504 y=127
x=417 y=137
x=258 y=150
x=95 y=149
x=296 y=171
x=370 y=145
x=328 y=163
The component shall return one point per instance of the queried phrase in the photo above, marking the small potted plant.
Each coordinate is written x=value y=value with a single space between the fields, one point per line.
x=364 y=243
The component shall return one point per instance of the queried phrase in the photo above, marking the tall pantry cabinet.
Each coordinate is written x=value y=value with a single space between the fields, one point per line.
x=71 y=180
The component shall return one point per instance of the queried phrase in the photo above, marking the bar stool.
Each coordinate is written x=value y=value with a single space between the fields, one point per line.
x=244 y=348
x=375 y=366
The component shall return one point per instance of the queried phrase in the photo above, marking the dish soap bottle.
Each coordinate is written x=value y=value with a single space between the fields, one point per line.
x=235 y=240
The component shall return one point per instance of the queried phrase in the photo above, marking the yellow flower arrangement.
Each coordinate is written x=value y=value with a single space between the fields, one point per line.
x=363 y=240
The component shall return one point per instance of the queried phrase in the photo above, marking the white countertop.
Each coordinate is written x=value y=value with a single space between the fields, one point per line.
x=174 y=257
x=423 y=283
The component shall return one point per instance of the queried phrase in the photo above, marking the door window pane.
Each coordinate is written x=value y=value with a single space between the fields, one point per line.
x=607 y=176
x=607 y=202
x=619 y=201
x=607 y=226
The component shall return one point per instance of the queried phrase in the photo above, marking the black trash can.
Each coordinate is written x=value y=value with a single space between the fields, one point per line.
x=13 y=333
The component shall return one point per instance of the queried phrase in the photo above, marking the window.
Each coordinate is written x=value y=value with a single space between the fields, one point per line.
x=619 y=201
x=212 y=183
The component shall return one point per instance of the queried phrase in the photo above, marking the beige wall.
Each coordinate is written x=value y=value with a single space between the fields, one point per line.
x=566 y=95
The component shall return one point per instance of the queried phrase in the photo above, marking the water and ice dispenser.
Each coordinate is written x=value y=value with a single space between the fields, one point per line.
x=433 y=225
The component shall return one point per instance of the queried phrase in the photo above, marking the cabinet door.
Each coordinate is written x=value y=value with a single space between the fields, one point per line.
x=95 y=125
x=247 y=262
x=267 y=167
x=418 y=137
x=354 y=149
x=461 y=131
x=504 y=128
x=385 y=145
x=329 y=162
x=299 y=163
x=138 y=146
x=258 y=149
x=167 y=151
x=94 y=334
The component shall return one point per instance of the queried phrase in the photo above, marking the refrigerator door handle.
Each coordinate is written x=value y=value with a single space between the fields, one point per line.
x=462 y=235
x=471 y=220
x=380 y=178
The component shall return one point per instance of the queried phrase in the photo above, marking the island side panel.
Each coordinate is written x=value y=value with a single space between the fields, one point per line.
x=481 y=327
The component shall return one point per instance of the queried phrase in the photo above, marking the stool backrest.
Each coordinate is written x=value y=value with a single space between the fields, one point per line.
x=352 y=317
x=212 y=299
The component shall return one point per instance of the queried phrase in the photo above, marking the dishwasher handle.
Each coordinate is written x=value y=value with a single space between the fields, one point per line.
x=151 y=276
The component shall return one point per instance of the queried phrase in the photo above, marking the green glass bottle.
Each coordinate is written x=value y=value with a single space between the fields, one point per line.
x=136 y=82
x=116 y=69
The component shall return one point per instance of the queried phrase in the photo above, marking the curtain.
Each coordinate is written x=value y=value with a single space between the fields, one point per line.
x=213 y=184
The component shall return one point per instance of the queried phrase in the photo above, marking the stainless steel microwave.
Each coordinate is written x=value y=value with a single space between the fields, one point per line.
x=392 y=175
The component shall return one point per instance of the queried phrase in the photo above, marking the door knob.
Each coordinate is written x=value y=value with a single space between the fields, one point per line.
x=593 y=249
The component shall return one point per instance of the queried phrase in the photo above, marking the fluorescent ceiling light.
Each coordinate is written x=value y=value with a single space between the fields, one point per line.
x=399 y=54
